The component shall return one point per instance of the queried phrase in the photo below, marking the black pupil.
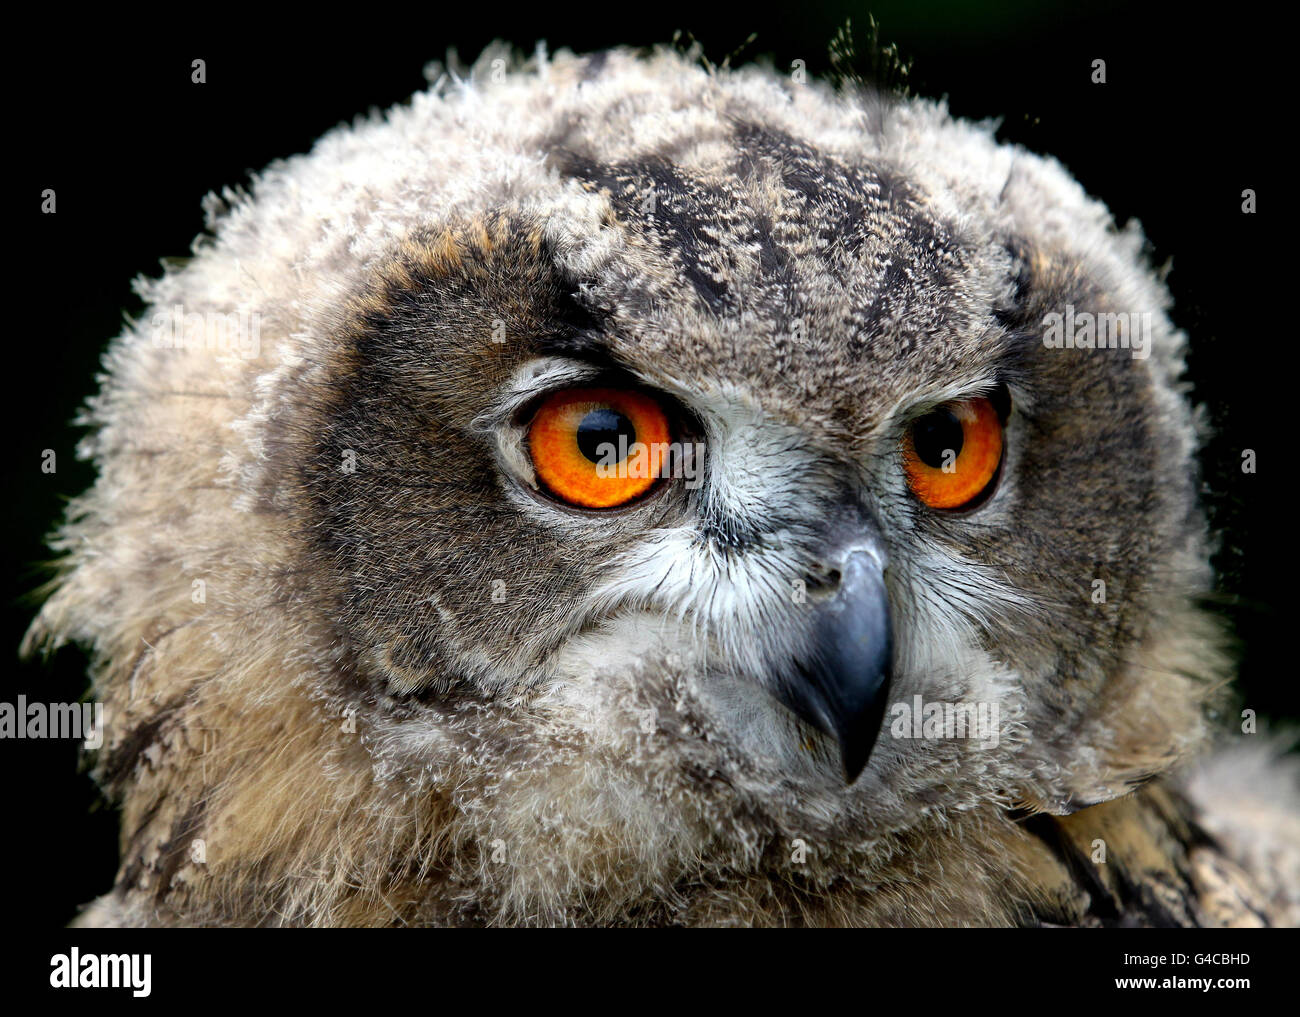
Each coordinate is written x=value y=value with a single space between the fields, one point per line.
x=936 y=434
x=605 y=426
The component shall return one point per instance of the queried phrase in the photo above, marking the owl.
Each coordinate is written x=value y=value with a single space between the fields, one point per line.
x=616 y=490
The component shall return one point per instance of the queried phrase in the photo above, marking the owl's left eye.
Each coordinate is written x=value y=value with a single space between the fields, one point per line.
x=599 y=447
x=953 y=453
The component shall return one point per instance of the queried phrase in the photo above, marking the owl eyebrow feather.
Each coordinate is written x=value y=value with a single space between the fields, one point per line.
x=584 y=344
x=574 y=331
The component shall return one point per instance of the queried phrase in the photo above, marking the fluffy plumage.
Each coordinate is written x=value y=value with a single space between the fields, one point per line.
x=350 y=728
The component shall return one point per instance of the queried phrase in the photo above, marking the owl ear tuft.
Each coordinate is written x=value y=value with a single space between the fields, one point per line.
x=1010 y=309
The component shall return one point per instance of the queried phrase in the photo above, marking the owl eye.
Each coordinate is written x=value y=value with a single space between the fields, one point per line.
x=952 y=454
x=598 y=447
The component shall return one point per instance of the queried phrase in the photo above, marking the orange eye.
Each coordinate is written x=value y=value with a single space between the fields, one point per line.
x=598 y=447
x=952 y=454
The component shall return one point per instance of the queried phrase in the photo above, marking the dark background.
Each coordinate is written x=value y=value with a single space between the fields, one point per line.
x=108 y=117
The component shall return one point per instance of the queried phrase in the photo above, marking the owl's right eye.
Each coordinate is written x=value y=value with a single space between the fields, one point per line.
x=952 y=455
x=599 y=447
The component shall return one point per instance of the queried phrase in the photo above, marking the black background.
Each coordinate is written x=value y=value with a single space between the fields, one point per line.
x=108 y=118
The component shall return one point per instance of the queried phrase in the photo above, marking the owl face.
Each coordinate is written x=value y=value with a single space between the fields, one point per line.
x=668 y=457
x=867 y=483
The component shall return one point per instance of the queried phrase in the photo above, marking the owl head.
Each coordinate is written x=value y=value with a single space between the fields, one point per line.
x=558 y=497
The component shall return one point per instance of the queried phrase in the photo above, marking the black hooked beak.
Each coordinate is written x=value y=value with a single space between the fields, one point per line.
x=841 y=682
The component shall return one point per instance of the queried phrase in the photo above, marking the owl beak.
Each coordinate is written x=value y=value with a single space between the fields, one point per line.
x=840 y=685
